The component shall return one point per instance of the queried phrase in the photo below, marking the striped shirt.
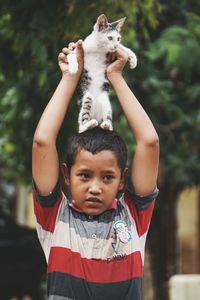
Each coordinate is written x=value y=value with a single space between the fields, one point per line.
x=93 y=257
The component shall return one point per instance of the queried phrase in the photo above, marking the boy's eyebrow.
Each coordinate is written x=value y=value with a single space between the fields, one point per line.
x=107 y=171
x=84 y=170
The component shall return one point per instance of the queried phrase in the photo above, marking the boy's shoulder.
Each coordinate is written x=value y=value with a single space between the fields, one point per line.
x=141 y=202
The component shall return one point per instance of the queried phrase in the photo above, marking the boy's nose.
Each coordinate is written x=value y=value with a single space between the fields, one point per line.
x=95 y=189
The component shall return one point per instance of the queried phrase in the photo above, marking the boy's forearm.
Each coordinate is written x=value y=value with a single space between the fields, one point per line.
x=138 y=120
x=54 y=113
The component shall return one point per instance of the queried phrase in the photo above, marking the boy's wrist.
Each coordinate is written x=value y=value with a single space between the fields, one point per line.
x=115 y=77
x=74 y=79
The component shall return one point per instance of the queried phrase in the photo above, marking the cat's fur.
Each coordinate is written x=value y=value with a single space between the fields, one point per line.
x=94 y=85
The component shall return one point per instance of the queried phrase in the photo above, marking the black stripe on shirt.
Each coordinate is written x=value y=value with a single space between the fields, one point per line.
x=50 y=200
x=141 y=202
x=65 y=285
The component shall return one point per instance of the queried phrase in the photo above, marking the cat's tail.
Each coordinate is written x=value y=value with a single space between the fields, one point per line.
x=73 y=63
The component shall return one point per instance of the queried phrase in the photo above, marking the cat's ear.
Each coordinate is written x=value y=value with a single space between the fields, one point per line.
x=101 y=23
x=117 y=25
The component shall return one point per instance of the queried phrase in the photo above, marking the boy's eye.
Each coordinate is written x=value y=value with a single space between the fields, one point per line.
x=84 y=176
x=110 y=38
x=108 y=177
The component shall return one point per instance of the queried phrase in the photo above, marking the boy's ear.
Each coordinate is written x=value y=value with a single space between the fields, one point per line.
x=65 y=174
x=123 y=177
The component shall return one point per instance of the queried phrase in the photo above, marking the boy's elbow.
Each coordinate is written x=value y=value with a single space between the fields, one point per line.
x=152 y=141
x=40 y=141
x=37 y=144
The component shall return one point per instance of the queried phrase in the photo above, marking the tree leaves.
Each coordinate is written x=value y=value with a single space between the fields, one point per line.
x=30 y=43
x=174 y=94
x=166 y=79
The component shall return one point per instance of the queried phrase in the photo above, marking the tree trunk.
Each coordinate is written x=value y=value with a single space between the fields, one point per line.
x=163 y=241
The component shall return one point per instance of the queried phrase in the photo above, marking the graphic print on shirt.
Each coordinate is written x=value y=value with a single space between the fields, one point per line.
x=121 y=236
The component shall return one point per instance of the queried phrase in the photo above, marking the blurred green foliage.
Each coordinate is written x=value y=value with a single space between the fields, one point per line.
x=175 y=92
x=31 y=36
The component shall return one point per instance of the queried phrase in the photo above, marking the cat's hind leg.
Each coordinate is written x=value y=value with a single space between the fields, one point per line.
x=85 y=121
x=106 y=112
x=90 y=124
x=107 y=124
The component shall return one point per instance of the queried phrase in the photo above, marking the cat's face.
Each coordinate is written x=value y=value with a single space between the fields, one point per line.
x=109 y=40
x=108 y=33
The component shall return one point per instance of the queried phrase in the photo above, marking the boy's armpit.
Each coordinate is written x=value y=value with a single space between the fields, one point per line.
x=51 y=199
x=141 y=202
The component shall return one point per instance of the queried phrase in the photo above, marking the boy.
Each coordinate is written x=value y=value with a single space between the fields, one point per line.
x=94 y=245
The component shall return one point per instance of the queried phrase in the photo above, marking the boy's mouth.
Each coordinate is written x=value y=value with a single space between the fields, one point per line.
x=93 y=202
x=93 y=199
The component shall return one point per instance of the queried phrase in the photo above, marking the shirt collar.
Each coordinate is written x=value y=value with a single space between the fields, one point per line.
x=76 y=208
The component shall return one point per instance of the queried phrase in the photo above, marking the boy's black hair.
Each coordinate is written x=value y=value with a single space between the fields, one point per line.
x=95 y=140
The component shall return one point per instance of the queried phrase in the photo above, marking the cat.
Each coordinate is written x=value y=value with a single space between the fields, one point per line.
x=95 y=106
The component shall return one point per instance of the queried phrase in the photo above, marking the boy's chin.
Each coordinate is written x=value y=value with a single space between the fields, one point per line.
x=89 y=208
x=93 y=212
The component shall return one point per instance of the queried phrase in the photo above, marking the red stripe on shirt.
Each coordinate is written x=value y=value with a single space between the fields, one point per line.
x=141 y=217
x=46 y=216
x=94 y=270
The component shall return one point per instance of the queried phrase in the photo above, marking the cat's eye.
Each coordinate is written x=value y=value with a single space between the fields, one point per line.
x=118 y=39
x=110 y=38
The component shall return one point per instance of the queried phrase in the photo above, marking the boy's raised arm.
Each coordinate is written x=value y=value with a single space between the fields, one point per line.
x=144 y=169
x=45 y=162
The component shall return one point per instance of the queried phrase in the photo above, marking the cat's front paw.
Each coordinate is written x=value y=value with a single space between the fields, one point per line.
x=72 y=63
x=106 y=125
x=73 y=68
x=132 y=61
x=88 y=125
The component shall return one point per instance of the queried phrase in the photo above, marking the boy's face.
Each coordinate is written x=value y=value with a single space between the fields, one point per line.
x=94 y=181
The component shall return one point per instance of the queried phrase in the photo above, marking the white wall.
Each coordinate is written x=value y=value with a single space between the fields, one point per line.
x=184 y=287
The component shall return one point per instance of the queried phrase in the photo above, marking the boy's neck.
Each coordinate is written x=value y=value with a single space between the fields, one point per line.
x=76 y=208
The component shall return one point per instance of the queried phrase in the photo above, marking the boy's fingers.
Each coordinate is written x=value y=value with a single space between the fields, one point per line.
x=65 y=50
x=110 y=57
x=79 y=43
x=80 y=50
x=61 y=56
x=113 y=56
x=71 y=46
x=121 y=54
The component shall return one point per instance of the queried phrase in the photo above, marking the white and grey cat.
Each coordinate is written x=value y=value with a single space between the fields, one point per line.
x=94 y=100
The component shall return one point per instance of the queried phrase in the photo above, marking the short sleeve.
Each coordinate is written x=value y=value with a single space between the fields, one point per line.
x=46 y=207
x=140 y=207
x=141 y=202
x=50 y=200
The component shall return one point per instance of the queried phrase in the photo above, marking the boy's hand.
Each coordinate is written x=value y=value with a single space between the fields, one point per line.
x=62 y=58
x=117 y=62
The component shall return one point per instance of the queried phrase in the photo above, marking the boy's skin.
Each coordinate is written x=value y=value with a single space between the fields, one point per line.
x=94 y=180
